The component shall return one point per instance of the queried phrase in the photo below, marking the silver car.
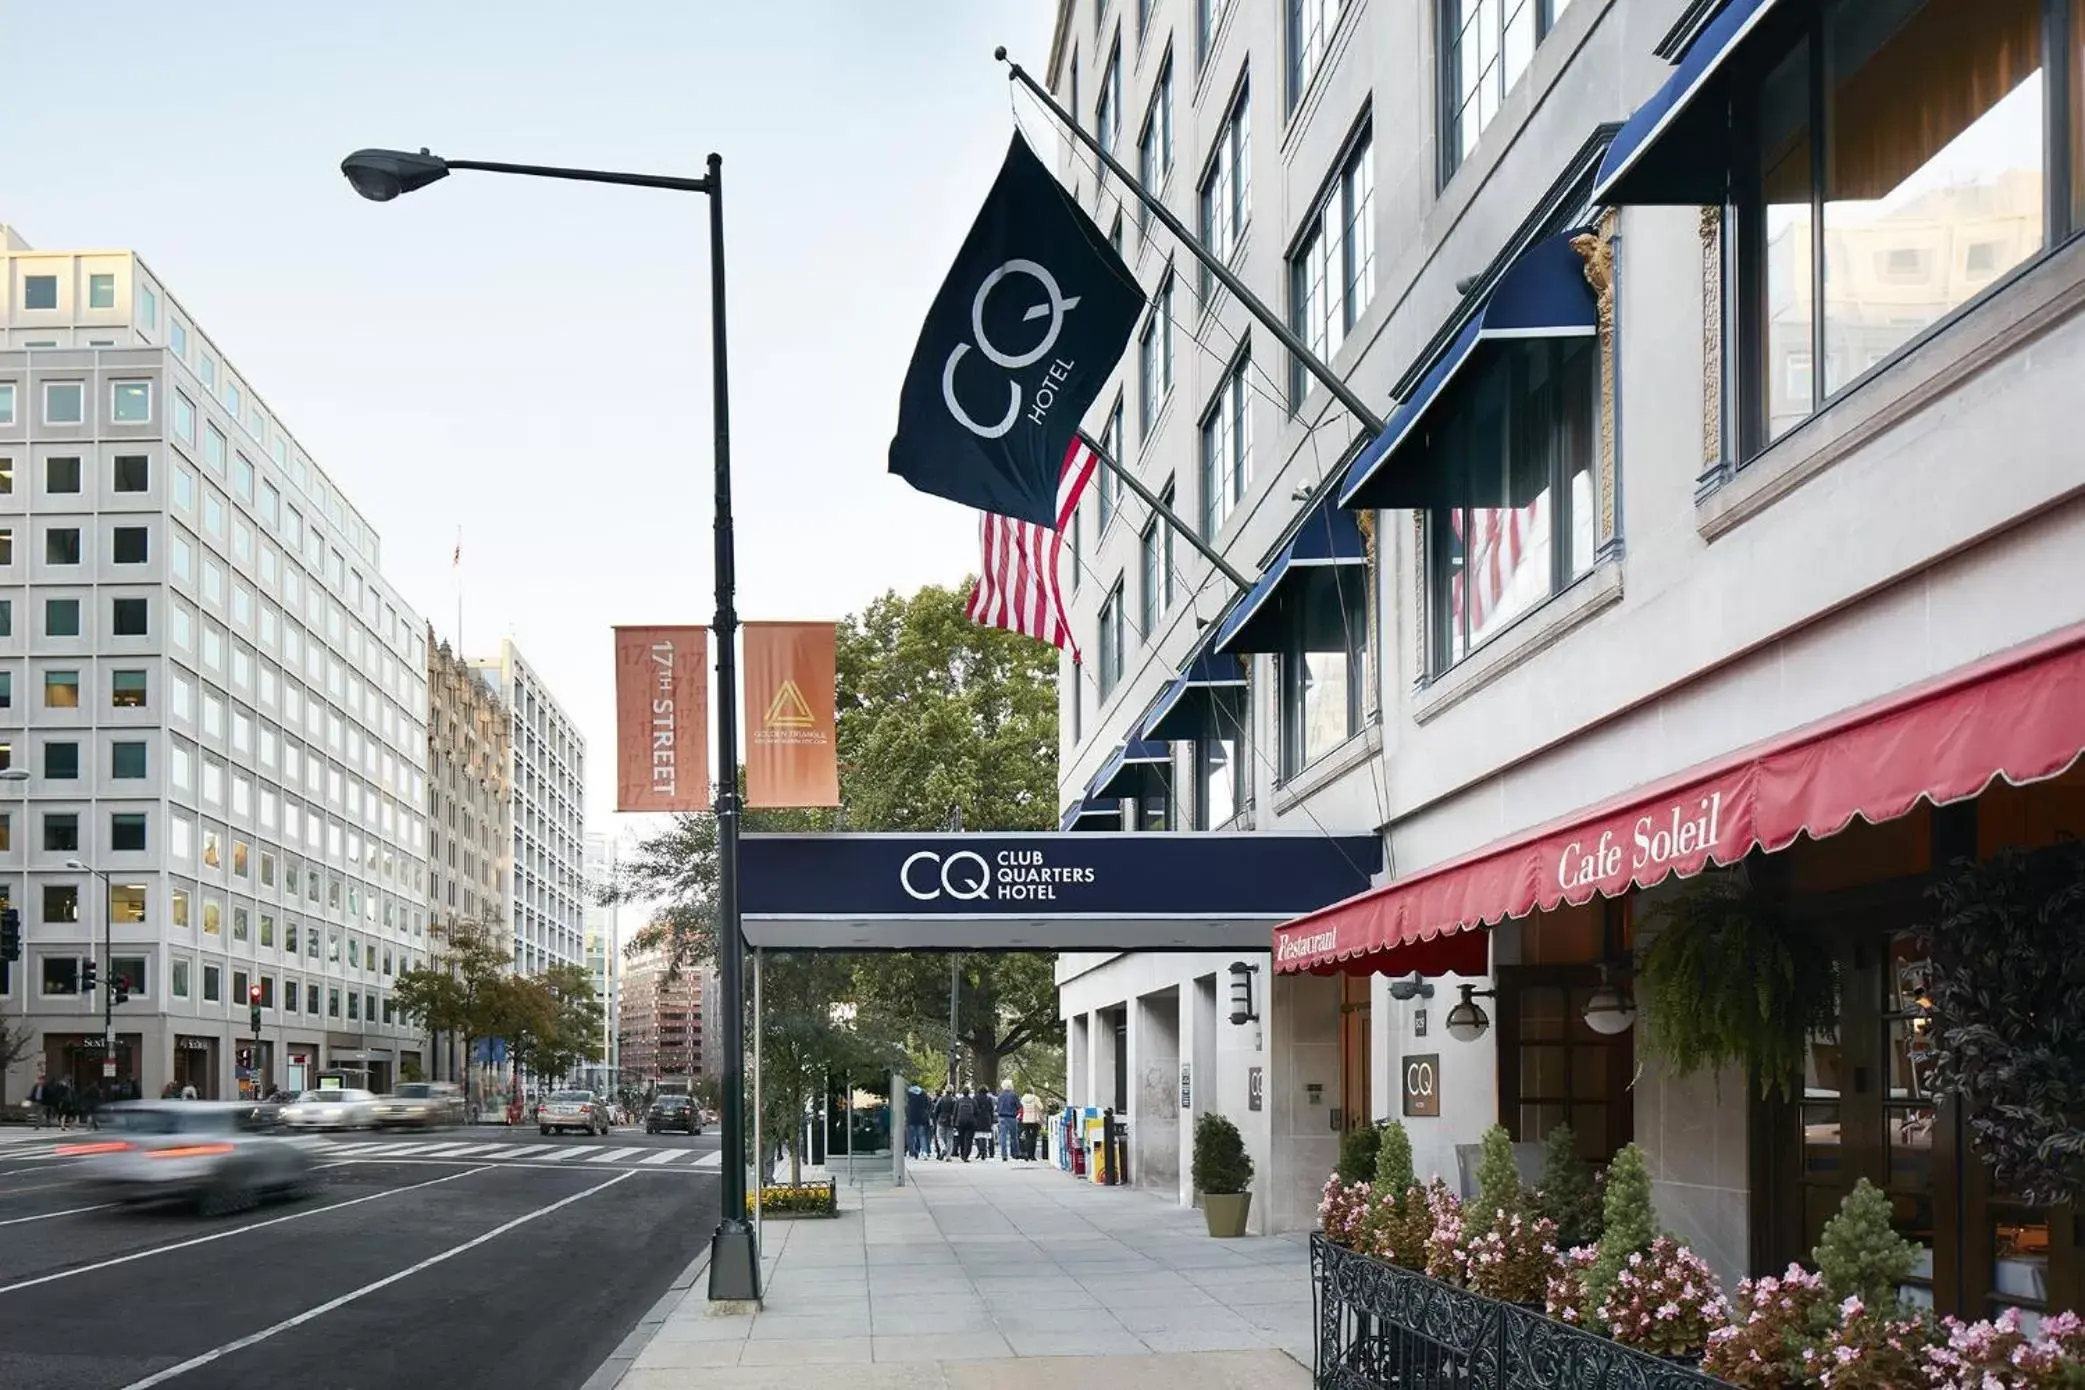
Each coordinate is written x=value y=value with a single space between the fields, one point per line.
x=580 y=1110
x=422 y=1104
x=212 y=1153
x=342 y=1109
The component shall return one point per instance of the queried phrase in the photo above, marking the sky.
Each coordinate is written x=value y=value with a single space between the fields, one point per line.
x=529 y=360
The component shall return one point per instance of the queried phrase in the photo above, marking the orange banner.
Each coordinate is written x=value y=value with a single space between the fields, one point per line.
x=792 y=757
x=662 y=719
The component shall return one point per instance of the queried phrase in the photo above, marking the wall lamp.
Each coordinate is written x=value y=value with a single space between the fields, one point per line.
x=1242 y=1010
x=1612 y=1007
x=1467 y=1021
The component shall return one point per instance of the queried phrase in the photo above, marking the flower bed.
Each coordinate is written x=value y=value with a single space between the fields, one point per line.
x=805 y=1199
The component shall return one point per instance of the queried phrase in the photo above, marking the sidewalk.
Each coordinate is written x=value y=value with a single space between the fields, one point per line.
x=996 y=1276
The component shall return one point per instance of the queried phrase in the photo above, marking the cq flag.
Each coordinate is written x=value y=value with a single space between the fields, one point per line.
x=661 y=719
x=1018 y=343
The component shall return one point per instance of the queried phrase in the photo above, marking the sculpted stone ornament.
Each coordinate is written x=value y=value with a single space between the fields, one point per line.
x=1596 y=249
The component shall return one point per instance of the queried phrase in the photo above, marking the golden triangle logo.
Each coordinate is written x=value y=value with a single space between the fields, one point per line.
x=789 y=709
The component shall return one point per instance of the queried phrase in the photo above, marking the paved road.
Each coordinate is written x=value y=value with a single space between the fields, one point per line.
x=466 y=1258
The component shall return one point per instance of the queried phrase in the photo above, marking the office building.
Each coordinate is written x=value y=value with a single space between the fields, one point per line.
x=468 y=806
x=660 y=1018
x=219 y=701
x=604 y=956
x=546 y=791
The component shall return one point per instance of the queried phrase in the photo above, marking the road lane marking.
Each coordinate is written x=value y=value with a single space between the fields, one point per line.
x=223 y=1235
x=663 y=1156
x=482 y=1150
x=613 y=1155
x=533 y=1149
x=545 y=1164
x=252 y=1339
x=444 y=1148
x=565 y=1155
x=74 y=1211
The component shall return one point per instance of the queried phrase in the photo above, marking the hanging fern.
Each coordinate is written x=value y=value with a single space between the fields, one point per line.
x=1731 y=979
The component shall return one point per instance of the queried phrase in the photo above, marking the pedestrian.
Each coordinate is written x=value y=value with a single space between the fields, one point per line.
x=919 y=1118
x=966 y=1124
x=57 y=1102
x=1007 y=1108
x=188 y=1091
x=40 y=1110
x=1031 y=1124
x=945 y=1125
x=987 y=1111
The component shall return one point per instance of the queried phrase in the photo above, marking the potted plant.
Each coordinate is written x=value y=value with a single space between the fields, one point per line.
x=1222 y=1174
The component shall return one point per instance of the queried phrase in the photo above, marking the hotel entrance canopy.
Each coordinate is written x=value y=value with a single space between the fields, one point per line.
x=1041 y=890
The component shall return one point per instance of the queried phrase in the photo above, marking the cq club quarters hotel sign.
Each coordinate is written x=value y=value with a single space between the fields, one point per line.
x=661 y=719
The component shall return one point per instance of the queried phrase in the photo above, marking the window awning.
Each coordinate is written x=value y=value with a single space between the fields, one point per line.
x=1088 y=814
x=2019 y=715
x=1675 y=149
x=1207 y=700
x=1543 y=294
x=1137 y=769
x=1328 y=536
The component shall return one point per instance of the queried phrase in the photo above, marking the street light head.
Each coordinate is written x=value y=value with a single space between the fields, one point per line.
x=381 y=175
x=76 y=864
x=14 y=774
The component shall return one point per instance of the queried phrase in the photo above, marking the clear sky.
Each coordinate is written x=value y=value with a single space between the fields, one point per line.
x=530 y=360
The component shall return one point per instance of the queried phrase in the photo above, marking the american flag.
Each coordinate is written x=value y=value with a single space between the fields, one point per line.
x=1017 y=586
x=1504 y=540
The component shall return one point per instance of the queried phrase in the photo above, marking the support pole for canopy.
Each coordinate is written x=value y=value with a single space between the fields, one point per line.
x=1311 y=362
x=759 y=1115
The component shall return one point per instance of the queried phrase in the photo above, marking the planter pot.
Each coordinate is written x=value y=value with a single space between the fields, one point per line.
x=1225 y=1212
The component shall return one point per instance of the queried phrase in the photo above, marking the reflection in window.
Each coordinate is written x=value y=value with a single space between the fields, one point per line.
x=1321 y=668
x=1216 y=782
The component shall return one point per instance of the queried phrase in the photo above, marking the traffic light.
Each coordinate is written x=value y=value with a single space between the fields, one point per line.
x=120 y=990
x=253 y=998
x=87 y=980
x=10 y=934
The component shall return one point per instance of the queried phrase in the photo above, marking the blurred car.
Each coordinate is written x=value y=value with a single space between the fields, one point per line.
x=212 y=1153
x=673 y=1112
x=342 y=1109
x=580 y=1110
x=421 y=1105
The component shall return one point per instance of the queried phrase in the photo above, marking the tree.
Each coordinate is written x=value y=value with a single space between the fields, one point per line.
x=805 y=1041
x=553 y=1020
x=1005 y=1001
x=457 y=991
x=17 y=1040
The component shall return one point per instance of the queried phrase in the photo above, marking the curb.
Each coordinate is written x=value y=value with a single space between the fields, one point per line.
x=611 y=1371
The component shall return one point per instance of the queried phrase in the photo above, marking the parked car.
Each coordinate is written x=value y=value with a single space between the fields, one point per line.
x=341 y=1109
x=580 y=1110
x=212 y=1153
x=673 y=1112
x=421 y=1105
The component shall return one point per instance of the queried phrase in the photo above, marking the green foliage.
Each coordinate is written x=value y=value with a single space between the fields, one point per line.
x=1357 y=1153
x=1005 y=1001
x=1394 y=1175
x=411 y=1071
x=2007 y=984
x=461 y=988
x=1860 y=1253
x=796 y=1199
x=1221 y=1165
x=1568 y=1195
x=1498 y=1180
x=1728 y=979
x=1630 y=1223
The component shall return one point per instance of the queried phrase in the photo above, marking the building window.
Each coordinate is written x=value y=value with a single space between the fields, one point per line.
x=213 y=448
x=39 y=291
x=1208 y=14
x=1226 y=188
x=1332 y=273
x=184 y=418
x=1523 y=434
x=177 y=337
x=61 y=690
x=179 y=978
x=64 y=403
x=1115 y=234
x=148 y=307
x=61 y=832
x=1216 y=781
x=130 y=402
x=130 y=617
x=126 y=760
x=127 y=831
x=1922 y=127
x=61 y=617
x=61 y=475
x=133 y=473
x=127 y=690
x=1150 y=558
x=61 y=545
x=6 y=403
x=1111 y=650
x=1109 y=484
x=1155 y=140
x=61 y=975
x=1107 y=115
x=1155 y=358
x=1489 y=45
x=101 y=291
x=1306 y=35
x=1226 y=446
x=61 y=902
x=131 y=545
x=1322 y=664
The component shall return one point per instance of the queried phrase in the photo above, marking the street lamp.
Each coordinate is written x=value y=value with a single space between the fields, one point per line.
x=380 y=176
x=108 y=964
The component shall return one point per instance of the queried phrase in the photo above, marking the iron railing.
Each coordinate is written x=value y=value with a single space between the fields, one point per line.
x=1381 y=1326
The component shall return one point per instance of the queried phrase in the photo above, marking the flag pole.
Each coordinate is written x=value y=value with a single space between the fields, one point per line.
x=1311 y=362
x=1171 y=518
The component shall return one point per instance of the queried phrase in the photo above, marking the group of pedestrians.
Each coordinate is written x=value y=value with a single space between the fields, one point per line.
x=957 y=1122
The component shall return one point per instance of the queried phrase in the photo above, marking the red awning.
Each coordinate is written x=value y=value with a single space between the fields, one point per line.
x=2019 y=715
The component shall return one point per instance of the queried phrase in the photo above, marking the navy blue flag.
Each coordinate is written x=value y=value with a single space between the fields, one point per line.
x=1024 y=333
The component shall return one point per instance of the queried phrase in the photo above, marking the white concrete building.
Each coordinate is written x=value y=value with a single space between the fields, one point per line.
x=218 y=699
x=547 y=788
x=1680 y=515
x=604 y=954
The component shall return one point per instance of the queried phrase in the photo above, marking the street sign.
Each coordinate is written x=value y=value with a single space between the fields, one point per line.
x=1187 y=1089
x=1422 y=1084
x=108 y=1067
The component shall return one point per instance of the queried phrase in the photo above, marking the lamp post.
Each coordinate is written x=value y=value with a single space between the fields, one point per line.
x=108 y=965
x=380 y=176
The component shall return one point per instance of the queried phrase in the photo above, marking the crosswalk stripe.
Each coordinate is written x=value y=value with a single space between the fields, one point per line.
x=563 y=1154
x=430 y=1150
x=482 y=1150
x=713 y=1159
x=663 y=1156
x=533 y=1149
x=613 y=1155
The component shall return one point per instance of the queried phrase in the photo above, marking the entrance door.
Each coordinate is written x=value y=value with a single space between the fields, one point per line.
x=1355 y=1096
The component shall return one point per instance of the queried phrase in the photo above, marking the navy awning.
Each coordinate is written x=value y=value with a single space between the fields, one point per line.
x=1675 y=149
x=1542 y=294
x=1137 y=769
x=1328 y=536
x=1207 y=700
x=1088 y=814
